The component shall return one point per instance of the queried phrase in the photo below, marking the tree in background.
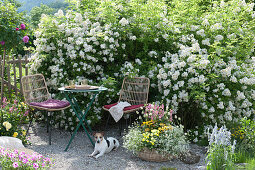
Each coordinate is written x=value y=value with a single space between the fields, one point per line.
x=37 y=11
x=59 y=5
x=16 y=3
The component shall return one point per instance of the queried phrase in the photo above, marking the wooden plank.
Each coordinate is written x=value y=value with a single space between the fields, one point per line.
x=1 y=64
x=14 y=71
x=2 y=76
x=20 y=73
x=8 y=75
x=16 y=61
x=26 y=68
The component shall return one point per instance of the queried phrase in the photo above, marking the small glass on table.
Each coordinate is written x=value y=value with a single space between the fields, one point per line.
x=84 y=82
x=71 y=83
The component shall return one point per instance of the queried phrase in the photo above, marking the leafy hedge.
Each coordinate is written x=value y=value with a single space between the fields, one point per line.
x=198 y=55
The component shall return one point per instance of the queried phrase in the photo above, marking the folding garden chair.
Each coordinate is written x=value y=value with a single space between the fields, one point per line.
x=134 y=91
x=37 y=96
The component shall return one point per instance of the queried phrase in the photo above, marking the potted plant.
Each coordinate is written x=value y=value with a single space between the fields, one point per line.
x=156 y=137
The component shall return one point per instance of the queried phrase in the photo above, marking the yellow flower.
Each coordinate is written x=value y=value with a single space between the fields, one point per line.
x=154 y=130
x=152 y=143
x=146 y=135
x=23 y=104
x=147 y=123
x=7 y=125
x=147 y=129
x=144 y=123
x=15 y=134
x=24 y=133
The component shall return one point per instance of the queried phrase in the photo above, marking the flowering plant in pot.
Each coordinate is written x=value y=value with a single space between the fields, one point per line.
x=157 y=134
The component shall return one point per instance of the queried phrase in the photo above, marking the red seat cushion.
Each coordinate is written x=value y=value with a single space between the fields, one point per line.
x=132 y=107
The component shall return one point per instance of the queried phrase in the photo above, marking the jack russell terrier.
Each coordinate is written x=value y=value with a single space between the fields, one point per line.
x=103 y=146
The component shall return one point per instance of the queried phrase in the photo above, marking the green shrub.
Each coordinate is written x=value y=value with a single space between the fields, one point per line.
x=199 y=57
x=247 y=141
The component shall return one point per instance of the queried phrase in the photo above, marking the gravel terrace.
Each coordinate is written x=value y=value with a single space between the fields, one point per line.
x=76 y=158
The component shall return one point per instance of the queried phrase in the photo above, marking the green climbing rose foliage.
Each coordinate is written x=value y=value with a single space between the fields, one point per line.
x=14 y=31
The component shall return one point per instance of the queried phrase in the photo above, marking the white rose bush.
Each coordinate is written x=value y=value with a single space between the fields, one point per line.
x=95 y=46
x=199 y=57
x=213 y=69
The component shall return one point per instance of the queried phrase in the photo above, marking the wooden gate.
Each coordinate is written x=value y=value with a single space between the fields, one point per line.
x=14 y=70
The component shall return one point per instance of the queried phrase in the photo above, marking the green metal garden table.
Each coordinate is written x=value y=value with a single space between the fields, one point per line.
x=81 y=116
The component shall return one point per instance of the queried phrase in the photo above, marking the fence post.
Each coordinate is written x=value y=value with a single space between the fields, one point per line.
x=8 y=74
x=14 y=71
x=20 y=74
x=26 y=69
x=2 y=84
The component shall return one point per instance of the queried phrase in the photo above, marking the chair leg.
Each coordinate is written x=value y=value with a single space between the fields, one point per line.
x=47 y=117
x=49 y=126
x=130 y=119
x=120 y=126
x=107 y=121
x=30 y=122
x=126 y=123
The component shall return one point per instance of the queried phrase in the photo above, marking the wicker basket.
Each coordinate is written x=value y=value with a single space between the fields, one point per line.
x=153 y=156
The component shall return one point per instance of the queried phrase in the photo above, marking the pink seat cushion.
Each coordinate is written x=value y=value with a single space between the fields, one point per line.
x=132 y=107
x=51 y=104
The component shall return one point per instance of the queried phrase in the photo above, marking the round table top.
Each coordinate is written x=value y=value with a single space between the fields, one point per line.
x=83 y=90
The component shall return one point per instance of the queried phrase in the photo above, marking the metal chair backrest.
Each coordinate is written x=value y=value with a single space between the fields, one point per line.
x=34 y=88
x=135 y=90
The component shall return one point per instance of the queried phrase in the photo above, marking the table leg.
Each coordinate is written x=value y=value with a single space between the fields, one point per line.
x=70 y=99
x=74 y=104
x=87 y=109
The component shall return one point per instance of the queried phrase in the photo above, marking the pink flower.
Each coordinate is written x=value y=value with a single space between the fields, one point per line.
x=26 y=113
x=15 y=165
x=25 y=160
x=4 y=100
x=2 y=42
x=35 y=165
x=11 y=109
x=26 y=39
x=22 y=26
x=17 y=29
x=171 y=116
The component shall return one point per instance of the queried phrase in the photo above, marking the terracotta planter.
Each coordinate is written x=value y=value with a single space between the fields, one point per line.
x=153 y=156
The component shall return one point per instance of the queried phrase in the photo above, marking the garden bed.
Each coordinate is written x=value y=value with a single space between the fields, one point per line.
x=77 y=155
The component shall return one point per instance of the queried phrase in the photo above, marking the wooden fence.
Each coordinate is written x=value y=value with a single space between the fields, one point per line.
x=15 y=68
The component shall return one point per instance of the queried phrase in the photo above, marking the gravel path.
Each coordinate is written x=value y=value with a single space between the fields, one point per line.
x=76 y=158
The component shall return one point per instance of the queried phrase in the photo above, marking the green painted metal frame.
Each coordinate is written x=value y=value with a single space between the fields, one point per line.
x=81 y=116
